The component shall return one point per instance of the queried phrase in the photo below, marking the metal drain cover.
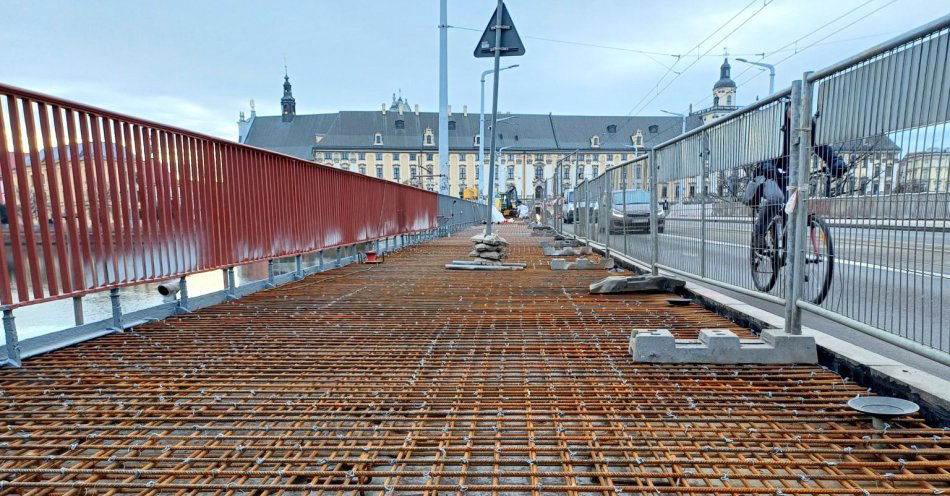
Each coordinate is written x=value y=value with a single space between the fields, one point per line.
x=883 y=406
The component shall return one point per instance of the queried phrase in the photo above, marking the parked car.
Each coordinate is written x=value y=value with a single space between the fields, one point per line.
x=630 y=212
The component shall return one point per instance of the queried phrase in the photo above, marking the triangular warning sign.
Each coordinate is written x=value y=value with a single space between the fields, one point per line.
x=511 y=45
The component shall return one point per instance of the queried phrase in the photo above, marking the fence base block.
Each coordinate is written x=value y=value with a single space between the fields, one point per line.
x=722 y=346
x=579 y=264
x=625 y=284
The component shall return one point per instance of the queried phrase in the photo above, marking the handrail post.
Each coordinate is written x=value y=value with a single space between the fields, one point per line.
x=654 y=168
x=13 y=343
x=78 y=316
x=270 y=274
x=116 y=309
x=229 y=274
x=182 y=306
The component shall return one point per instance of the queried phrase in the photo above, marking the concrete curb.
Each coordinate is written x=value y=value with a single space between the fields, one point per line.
x=883 y=375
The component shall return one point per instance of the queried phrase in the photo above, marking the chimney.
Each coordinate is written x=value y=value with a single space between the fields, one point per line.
x=384 y=109
x=449 y=109
x=417 y=109
x=465 y=110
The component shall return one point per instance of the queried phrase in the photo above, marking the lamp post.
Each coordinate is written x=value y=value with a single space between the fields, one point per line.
x=681 y=116
x=481 y=127
x=771 y=69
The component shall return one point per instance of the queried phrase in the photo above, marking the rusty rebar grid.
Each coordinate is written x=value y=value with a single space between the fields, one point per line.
x=400 y=378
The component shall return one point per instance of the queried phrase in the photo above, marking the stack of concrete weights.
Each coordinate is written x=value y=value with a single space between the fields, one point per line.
x=489 y=249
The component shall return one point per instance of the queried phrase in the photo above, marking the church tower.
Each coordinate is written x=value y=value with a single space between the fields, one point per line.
x=288 y=106
x=724 y=91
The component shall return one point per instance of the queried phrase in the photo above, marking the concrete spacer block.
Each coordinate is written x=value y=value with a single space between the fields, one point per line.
x=793 y=348
x=647 y=345
x=559 y=264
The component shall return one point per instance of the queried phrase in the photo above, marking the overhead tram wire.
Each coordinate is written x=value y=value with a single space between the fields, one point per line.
x=800 y=38
x=637 y=107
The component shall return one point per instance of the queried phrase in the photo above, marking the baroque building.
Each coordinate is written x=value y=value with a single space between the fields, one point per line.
x=399 y=142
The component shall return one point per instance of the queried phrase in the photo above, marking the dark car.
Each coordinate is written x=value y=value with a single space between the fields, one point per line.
x=630 y=212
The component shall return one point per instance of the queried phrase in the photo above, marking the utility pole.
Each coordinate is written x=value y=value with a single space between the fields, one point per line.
x=444 y=98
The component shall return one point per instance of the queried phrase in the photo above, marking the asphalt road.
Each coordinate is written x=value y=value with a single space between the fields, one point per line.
x=897 y=280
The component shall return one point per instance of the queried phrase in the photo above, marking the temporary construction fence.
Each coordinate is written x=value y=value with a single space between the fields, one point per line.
x=852 y=220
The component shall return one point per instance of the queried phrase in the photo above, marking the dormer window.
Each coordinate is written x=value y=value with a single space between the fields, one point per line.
x=378 y=139
x=637 y=138
x=451 y=125
x=654 y=129
x=611 y=128
x=429 y=138
x=478 y=140
x=400 y=124
x=595 y=141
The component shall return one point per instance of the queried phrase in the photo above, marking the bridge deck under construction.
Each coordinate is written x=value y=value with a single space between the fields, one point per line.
x=407 y=378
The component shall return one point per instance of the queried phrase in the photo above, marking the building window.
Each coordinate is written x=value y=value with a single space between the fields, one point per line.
x=623 y=156
x=412 y=157
x=429 y=139
x=539 y=157
x=395 y=157
x=511 y=172
x=379 y=171
x=462 y=173
x=429 y=157
x=378 y=139
x=327 y=156
x=478 y=140
x=595 y=141
x=510 y=157
x=728 y=100
x=581 y=156
x=400 y=124
x=638 y=173
x=654 y=129
x=362 y=168
x=396 y=173
x=345 y=155
x=580 y=172
x=539 y=172
x=362 y=155
x=379 y=156
x=451 y=125
x=567 y=173
x=413 y=172
x=594 y=170
x=611 y=128
x=478 y=173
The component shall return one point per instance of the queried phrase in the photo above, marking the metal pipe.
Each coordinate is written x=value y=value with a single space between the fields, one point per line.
x=654 y=168
x=494 y=115
x=182 y=306
x=769 y=67
x=229 y=276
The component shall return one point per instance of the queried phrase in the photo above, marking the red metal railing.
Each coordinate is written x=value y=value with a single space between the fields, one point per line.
x=98 y=200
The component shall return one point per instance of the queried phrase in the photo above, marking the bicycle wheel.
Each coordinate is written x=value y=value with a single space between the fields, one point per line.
x=819 y=261
x=766 y=255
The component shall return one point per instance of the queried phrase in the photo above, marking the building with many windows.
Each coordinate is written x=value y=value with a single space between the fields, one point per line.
x=400 y=143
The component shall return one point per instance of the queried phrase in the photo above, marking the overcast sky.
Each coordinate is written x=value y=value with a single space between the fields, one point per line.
x=195 y=64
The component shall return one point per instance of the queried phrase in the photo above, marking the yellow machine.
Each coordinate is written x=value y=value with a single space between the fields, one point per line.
x=470 y=193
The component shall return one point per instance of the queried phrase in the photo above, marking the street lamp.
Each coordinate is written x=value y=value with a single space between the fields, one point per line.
x=481 y=118
x=677 y=114
x=481 y=156
x=771 y=69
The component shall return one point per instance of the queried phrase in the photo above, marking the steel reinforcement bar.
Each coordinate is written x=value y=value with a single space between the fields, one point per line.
x=406 y=378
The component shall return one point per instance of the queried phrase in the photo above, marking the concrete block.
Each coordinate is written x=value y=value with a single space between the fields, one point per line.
x=722 y=346
x=633 y=284
x=648 y=345
x=559 y=264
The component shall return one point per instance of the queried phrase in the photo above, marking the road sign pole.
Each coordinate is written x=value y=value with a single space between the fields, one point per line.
x=494 y=119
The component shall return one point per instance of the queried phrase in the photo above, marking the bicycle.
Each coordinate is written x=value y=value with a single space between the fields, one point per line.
x=769 y=253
